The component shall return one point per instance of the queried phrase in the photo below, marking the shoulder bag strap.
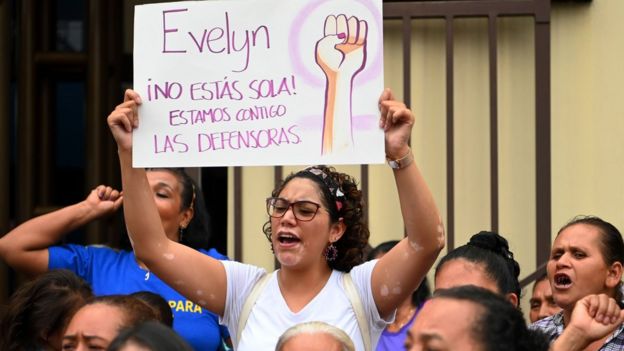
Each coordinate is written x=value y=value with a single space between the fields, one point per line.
x=249 y=303
x=358 y=308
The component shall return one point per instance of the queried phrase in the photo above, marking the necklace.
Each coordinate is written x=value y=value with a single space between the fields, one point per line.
x=401 y=320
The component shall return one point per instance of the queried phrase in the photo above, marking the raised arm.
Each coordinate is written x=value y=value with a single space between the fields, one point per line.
x=593 y=318
x=25 y=248
x=399 y=272
x=198 y=277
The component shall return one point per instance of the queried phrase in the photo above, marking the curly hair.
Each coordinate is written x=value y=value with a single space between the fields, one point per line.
x=352 y=245
x=41 y=308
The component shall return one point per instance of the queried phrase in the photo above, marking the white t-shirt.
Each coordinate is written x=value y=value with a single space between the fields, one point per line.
x=270 y=316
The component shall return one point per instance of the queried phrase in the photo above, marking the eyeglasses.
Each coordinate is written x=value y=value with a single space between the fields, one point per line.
x=303 y=210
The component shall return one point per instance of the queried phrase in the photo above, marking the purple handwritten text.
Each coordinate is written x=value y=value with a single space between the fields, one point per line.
x=169 y=143
x=167 y=30
x=216 y=90
x=260 y=112
x=226 y=38
x=249 y=139
x=262 y=88
x=192 y=117
x=166 y=90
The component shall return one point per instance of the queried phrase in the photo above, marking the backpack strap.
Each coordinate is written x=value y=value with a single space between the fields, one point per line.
x=249 y=304
x=358 y=308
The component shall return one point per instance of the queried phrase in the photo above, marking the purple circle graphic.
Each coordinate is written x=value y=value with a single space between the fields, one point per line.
x=316 y=78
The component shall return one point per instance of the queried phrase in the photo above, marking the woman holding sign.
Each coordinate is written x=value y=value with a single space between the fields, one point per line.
x=317 y=232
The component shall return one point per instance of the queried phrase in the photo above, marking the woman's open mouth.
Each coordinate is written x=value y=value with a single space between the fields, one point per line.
x=562 y=281
x=288 y=239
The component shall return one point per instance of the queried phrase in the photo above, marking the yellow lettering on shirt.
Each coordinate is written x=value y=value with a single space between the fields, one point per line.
x=184 y=306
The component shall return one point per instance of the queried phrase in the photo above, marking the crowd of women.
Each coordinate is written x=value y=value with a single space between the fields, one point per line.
x=326 y=295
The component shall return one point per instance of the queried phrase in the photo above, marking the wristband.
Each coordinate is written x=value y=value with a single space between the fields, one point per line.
x=401 y=162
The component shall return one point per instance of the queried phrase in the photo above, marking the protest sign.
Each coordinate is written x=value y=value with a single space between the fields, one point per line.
x=261 y=82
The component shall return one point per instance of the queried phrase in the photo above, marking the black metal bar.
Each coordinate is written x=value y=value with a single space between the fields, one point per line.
x=442 y=9
x=278 y=176
x=27 y=110
x=97 y=71
x=5 y=133
x=542 y=141
x=492 y=35
x=76 y=61
x=238 y=214
x=450 y=144
x=364 y=183
x=407 y=60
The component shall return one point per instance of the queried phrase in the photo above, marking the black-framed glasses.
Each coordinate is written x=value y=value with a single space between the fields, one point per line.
x=303 y=210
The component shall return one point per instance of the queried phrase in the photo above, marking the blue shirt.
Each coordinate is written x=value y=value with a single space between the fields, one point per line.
x=117 y=272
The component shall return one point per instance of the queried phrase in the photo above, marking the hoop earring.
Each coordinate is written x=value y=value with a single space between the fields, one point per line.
x=330 y=252
x=271 y=243
x=180 y=233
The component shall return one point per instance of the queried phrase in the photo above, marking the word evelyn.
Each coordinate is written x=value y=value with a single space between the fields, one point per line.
x=220 y=39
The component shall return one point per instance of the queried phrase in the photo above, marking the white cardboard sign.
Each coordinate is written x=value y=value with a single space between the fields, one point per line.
x=258 y=82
